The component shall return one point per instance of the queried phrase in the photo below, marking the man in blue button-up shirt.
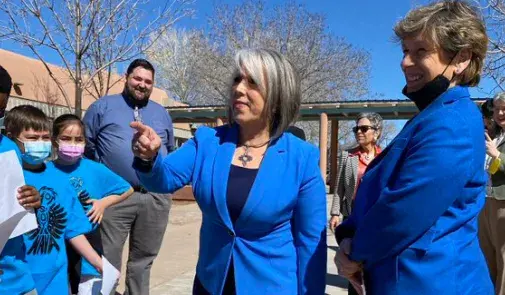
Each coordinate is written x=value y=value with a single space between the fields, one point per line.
x=144 y=215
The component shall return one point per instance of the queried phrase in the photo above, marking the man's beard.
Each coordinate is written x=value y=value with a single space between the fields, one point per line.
x=146 y=93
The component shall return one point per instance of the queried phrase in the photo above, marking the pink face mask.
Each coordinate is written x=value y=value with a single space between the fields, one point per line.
x=70 y=153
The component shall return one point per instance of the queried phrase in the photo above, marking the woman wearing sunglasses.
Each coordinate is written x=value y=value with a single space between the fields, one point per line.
x=353 y=163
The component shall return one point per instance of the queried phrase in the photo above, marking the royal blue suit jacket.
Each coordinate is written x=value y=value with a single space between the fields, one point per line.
x=279 y=241
x=414 y=224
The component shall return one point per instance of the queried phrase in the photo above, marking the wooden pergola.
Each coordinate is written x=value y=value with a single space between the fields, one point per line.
x=322 y=112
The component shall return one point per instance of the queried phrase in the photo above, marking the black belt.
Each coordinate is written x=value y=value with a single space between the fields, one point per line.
x=140 y=189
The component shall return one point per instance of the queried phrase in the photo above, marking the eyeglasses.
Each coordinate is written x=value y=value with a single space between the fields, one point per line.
x=362 y=128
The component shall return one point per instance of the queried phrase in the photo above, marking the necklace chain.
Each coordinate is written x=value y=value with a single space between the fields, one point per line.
x=245 y=157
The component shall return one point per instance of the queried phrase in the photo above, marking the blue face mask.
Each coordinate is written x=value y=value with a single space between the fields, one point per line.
x=36 y=152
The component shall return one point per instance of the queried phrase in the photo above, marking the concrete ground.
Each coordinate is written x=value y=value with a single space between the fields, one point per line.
x=174 y=269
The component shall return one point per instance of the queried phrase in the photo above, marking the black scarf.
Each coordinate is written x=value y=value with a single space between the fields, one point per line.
x=429 y=92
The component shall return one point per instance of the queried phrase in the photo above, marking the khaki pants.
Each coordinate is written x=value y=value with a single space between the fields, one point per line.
x=492 y=240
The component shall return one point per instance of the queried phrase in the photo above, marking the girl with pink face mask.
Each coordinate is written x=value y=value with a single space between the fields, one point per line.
x=97 y=187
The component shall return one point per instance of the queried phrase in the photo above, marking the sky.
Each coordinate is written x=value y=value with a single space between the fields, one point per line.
x=366 y=24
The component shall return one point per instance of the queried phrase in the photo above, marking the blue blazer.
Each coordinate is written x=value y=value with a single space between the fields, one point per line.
x=414 y=224
x=278 y=243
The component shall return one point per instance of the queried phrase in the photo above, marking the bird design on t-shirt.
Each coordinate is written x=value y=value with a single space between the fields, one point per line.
x=83 y=194
x=52 y=219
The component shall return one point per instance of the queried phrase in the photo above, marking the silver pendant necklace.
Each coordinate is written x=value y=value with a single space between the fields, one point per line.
x=245 y=157
x=368 y=156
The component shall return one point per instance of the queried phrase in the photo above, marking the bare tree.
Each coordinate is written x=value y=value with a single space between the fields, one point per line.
x=178 y=55
x=494 y=14
x=330 y=68
x=47 y=94
x=88 y=36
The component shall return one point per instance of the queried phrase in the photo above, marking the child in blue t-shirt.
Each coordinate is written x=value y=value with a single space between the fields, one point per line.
x=15 y=275
x=60 y=217
x=97 y=188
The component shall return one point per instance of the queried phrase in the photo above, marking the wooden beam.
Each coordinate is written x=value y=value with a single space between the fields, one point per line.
x=323 y=143
x=333 y=155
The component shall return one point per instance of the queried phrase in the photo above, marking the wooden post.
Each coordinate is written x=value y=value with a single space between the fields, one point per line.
x=333 y=155
x=323 y=143
x=219 y=122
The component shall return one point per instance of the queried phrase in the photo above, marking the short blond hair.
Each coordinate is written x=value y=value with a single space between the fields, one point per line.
x=450 y=26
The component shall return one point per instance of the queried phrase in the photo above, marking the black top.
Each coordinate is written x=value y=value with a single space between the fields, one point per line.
x=240 y=182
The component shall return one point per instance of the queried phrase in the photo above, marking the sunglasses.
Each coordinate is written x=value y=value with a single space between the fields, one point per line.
x=362 y=128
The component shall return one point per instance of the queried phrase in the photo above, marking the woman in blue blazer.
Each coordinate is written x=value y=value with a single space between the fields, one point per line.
x=259 y=188
x=413 y=229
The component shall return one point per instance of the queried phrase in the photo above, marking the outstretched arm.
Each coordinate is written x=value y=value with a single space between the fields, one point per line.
x=162 y=175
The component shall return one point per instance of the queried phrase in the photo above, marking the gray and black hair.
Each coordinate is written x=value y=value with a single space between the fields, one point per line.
x=499 y=96
x=375 y=119
x=278 y=83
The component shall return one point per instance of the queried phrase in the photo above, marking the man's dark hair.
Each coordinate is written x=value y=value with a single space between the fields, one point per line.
x=5 y=81
x=140 y=62
x=25 y=117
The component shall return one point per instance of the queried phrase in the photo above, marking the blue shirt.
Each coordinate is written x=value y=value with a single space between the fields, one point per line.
x=109 y=135
x=92 y=180
x=60 y=218
x=16 y=277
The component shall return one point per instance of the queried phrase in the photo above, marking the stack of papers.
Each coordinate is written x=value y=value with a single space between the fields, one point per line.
x=14 y=219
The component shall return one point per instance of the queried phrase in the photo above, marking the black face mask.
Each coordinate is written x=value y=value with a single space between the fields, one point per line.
x=429 y=92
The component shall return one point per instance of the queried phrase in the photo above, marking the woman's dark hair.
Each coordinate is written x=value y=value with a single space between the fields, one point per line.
x=64 y=121
x=5 y=81
x=140 y=62
x=487 y=109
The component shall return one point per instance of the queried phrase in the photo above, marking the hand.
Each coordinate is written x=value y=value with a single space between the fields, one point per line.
x=491 y=149
x=346 y=267
x=99 y=265
x=357 y=282
x=28 y=197
x=146 y=143
x=334 y=222
x=95 y=214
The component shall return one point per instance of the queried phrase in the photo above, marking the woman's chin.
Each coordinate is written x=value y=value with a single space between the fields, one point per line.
x=414 y=87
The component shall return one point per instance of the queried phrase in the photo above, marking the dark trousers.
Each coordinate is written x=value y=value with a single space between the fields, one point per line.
x=229 y=285
x=74 y=258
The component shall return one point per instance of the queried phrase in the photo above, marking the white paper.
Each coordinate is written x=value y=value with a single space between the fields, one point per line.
x=14 y=219
x=110 y=276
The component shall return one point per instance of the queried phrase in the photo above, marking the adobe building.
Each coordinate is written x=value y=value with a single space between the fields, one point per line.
x=34 y=86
